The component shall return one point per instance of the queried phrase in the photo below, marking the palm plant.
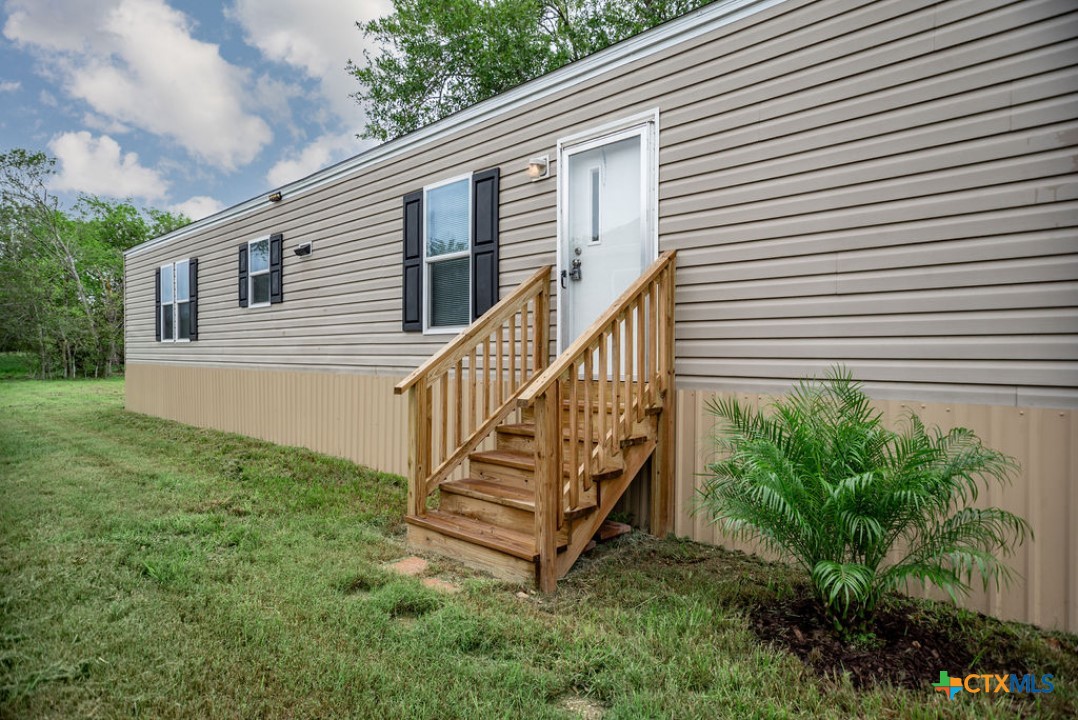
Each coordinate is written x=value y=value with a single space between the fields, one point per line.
x=817 y=477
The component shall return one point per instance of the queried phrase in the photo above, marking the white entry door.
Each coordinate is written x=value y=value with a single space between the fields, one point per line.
x=607 y=189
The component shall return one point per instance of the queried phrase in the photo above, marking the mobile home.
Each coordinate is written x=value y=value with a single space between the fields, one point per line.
x=526 y=305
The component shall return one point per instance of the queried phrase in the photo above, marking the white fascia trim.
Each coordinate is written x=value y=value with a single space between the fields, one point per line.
x=689 y=26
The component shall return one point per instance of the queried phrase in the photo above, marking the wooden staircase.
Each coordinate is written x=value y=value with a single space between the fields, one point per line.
x=516 y=462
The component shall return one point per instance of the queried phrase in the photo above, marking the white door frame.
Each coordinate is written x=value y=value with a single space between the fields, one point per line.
x=645 y=125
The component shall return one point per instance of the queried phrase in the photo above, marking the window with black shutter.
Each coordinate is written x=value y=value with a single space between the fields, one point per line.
x=176 y=301
x=484 y=241
x=412 y=311
x=450 y=253
x=261 y=266
x=243 y=275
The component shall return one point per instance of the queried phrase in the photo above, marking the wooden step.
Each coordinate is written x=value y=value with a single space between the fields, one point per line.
x=516 y=466
x=520 y=437
x=511 y=542
x=505 y=495
x=499 y=493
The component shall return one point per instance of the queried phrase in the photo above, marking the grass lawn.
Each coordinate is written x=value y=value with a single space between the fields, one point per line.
x=149 y=569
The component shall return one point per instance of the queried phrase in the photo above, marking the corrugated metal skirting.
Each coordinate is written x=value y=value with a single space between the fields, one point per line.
x=1045 y=492
x=358 y=417
x=343 y=414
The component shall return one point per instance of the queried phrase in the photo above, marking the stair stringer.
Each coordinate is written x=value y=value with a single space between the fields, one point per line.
x=610 y=492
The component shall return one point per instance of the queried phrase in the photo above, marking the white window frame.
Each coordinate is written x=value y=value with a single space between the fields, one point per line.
x=174 y=306
x=251 y=275
x=428 y=329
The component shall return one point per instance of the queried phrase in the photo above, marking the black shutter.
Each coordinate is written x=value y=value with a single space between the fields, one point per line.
x=157 y=304
x=412 y=312
x=192 y=284
x=276 y=262
x=243 y=275
x=484 y=241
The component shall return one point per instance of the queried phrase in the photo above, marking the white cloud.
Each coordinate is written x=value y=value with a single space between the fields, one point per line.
x=9 y=86
x=324 y=151
x=65 y=25
x=135 y=62
x=98 y=167
x=317 y=155
x=318 y=37
x=105 y=125
x=198 y=207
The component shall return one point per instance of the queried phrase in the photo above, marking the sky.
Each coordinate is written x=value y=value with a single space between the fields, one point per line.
x=177 y=104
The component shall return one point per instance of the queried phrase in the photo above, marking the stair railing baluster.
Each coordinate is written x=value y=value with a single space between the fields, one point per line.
x=511 y=358
x=431 y=458
x=443 y=420
x=615 y=373
x=600 y=406
x=458 y=410
x=589 y=432
x=630 y=351
x=653 y=329
x=641 y=341
x=574 y=439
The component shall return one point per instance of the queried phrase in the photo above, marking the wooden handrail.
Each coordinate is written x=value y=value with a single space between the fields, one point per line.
x=495 y=316
x=569 y=356
x=619 y=374
x=484 y=369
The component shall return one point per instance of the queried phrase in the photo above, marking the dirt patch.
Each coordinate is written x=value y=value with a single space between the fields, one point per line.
x=412 y=566
x=583 y=707
x=908 y=647
x=440 y=585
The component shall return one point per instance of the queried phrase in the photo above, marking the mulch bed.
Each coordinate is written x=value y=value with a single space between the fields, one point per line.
x=909 y=649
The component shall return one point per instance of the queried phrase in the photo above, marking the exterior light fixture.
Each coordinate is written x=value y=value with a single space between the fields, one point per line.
x=539 y=167
x=303 y=249
x=276 y=197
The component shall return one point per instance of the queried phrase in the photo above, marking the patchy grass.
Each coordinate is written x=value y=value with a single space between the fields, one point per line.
x=156 y=570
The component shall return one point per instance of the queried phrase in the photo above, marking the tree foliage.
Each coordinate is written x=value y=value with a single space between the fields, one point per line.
x=864 y=509
x=61 y=272
x=435 y=57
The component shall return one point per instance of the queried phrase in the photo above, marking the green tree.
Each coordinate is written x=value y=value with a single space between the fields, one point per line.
x=435 y=57
x=61 y=273
x=863 y=509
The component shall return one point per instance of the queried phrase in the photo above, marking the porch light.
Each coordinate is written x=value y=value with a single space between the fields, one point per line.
x=276 y=197
x=539 y=167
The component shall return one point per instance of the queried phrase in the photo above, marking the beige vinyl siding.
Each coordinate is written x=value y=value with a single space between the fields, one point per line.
x=887 y=184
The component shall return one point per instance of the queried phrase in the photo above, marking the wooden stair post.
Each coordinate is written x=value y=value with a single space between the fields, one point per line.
x=664 y=464
x=547 y=479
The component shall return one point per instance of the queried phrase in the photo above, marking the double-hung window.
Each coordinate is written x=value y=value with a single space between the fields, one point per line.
x=447 y=253
x=259 y=274
x=449 y=263
x=261 y=265
x=176 y=302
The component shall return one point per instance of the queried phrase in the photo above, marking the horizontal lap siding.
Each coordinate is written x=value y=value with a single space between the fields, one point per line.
x=892 y=185
x=914 y=219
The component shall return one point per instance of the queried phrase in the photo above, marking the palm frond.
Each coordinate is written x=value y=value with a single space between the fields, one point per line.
x=815 y=475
